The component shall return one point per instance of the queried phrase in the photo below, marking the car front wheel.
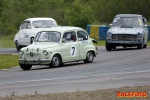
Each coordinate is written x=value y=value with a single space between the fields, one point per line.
x=25 y=66
x=89 y=57
x=108 y=46
x=18 y=47
x=56 y=61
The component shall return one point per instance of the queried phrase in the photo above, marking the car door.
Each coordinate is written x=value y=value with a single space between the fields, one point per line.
x=83 y=42
x=70 y=47
x=21 y=35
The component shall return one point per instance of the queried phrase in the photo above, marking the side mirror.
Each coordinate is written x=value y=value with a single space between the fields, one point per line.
x=80 y=39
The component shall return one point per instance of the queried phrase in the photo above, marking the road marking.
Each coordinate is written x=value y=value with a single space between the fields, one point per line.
x=71 y=77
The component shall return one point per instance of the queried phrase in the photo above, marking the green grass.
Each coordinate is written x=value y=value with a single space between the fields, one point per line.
x=4 y=43
x=100 y=43
x=8 y=61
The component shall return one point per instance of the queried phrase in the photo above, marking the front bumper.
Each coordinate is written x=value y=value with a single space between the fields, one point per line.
x=37 y=61
x=125 y=42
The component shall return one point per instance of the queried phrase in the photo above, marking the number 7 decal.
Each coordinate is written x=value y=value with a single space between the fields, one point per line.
x=73 y=50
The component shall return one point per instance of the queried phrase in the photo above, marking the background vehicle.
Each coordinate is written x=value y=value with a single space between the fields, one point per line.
x=29 y=28
x=56 y=46
x=127 y=30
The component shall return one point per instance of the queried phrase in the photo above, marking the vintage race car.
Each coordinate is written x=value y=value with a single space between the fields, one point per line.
x=56 y=46
x=127 y=30
x=29 y=28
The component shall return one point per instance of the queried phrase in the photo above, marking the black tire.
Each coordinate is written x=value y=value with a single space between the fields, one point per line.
x=18 y=47
x=89 y=57
x=56 y=61
x=145 y=45
x=140 y=46
x=25 y=66
x=108 y=46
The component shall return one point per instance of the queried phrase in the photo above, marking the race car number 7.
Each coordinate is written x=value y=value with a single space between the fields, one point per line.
x=73 y=50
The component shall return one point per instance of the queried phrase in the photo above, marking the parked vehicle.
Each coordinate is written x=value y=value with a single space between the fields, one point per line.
x=29 y=28
x=56 y=46
x=127 y=30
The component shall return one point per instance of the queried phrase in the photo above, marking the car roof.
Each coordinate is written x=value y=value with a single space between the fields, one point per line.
x=128 y=15
x=40 y=18
x=62 y=28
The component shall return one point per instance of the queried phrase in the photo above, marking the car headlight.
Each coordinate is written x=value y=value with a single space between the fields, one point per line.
x=45 y=52
x=21 y=52
x=139 y=34
x=109 y=33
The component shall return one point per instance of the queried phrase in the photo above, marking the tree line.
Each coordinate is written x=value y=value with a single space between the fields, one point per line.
x=67 y=12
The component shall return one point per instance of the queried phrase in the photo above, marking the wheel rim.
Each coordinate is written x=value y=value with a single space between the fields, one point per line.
x=90 y=56
x=55 y=61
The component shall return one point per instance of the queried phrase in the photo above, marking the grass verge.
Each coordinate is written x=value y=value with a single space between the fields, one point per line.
x=7 y=43
x=8 y=61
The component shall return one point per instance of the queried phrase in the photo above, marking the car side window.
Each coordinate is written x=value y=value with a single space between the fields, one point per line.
x=28 y=26
x=23 y=25
x=69 y=36
x=82 y=35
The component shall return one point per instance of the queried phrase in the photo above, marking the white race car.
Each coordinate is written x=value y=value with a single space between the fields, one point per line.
x=29 y=28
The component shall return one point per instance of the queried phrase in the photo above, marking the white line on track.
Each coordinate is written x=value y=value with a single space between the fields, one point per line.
x=70 y=77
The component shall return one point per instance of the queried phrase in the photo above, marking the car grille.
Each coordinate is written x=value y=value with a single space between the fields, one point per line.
x=124 y=37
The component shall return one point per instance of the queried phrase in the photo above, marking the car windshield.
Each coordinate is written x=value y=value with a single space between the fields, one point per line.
x=50 y=36
x=127 y=22
x=44 y=23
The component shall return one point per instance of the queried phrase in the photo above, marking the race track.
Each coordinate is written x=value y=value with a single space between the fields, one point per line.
x=117 y=68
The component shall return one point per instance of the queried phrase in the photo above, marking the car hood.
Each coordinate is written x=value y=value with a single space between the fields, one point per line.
x=41 y=46
x=118 y=30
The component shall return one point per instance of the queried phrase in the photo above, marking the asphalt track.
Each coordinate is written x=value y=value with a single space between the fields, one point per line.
x=118 y=68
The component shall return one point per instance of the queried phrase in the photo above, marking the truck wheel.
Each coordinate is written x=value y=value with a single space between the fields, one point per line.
x=89 y=57
x=18 y=47
x=108 y=46
x=25 y=66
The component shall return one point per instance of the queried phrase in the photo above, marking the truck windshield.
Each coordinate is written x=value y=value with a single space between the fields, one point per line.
x=127 y=22
x=49 y=36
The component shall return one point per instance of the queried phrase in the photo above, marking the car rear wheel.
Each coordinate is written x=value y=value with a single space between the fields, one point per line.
x=18 y=47
x=108 y=46
x=25 y=66
x=56 y=61
x=89 y=57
